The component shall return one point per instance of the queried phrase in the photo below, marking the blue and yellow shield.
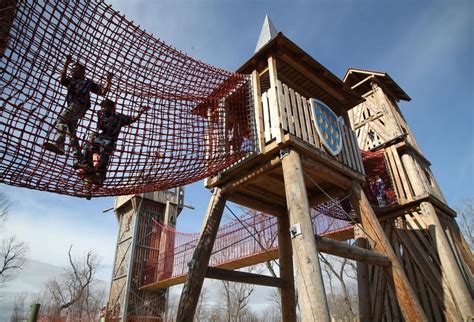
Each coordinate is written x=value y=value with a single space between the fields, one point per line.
x=327 y=126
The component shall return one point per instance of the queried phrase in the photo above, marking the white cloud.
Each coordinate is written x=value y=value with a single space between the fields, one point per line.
x=50 y=224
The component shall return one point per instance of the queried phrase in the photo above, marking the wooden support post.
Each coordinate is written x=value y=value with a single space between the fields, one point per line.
x=413 y=174
x=311 y=295
x=363 y=279
x=409 y=304
x=287 y=292
x=450 y=269
x=462 y=245
x=34 y=312
x=200 y=262
x=379 y=295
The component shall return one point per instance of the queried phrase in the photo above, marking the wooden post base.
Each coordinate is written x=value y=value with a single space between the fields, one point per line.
x=310 y=286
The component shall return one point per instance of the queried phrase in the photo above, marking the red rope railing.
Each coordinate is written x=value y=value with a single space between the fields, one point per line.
x=234 y=242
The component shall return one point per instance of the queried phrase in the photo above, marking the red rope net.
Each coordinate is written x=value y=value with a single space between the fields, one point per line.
x=379 y=187
x=197 y=125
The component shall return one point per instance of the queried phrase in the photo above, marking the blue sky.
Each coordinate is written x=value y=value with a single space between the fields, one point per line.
x=427 y=47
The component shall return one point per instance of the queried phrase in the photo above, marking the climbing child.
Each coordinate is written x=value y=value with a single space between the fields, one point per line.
x=97 y=154
x=77 y=104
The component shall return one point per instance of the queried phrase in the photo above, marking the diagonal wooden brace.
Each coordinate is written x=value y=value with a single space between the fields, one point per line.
x=409 y=304
x=200 y=262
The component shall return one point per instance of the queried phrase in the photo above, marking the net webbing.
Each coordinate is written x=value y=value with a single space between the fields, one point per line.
x=379 y=187
x=198 y=124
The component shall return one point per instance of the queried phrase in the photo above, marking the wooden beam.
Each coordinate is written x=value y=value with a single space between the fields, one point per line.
x=302 y=68
x=275 y=114
x=363 y=279
x=316 y=154
x=319 y=198
x=264 y=194
x=409 y=304
x=341 y=249
x=461 y=245
x=250 y=202
x=322 y=172
x=243 y=277
x=257 y=103
x=379 y=295
x=362 y=81
x=310 y=286
x=449 y=263
x=200 y=261
x=287 y=292
x=234 y=184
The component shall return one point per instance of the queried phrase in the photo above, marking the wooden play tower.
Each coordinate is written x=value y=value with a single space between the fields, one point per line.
x=294 y=170
x=421 y=227
x=140 y=245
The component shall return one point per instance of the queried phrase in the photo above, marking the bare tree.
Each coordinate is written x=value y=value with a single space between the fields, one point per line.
x=19 y=312
x=172 y=306
x=339 y=268
x=237 y=297
x=73 y=292
x=12 y=258
x=13 y=252
x=201 y=309
x=466 y=221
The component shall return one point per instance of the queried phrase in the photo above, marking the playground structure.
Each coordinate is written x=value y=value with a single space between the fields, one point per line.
x=263 y=148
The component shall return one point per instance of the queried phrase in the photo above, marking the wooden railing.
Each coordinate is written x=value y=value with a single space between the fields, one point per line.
x=292 y=114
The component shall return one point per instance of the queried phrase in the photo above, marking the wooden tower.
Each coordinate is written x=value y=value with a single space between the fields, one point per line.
x=291 y=171
x=139 y=245
x=421 y=226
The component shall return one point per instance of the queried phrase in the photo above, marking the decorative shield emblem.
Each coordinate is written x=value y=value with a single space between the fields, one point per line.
x=327 y=126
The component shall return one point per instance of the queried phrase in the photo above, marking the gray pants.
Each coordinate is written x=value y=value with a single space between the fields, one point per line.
x=66 y=124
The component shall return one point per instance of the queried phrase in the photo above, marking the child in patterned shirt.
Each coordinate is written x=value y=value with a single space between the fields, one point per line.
x=78 y=102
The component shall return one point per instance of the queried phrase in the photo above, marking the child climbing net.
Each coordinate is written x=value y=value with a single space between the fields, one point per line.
x=47 y=115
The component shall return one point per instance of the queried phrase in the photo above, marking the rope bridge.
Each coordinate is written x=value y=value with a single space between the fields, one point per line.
x=198 y=122
x=250 y=239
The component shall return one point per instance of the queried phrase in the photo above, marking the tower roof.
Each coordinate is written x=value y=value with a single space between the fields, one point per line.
x=359 y=80
x=300 y=71
x=267 y=33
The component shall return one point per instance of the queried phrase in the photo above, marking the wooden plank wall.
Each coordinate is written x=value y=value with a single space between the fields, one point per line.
x=414 y=246
x=293 y=115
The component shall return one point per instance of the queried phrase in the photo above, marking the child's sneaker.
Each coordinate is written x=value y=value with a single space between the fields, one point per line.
x=53 y=148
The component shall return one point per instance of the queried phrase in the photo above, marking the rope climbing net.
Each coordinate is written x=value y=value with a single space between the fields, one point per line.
x=379 y=187
x=199 y=121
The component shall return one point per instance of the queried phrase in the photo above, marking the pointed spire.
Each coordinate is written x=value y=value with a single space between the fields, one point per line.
x=268 y=33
